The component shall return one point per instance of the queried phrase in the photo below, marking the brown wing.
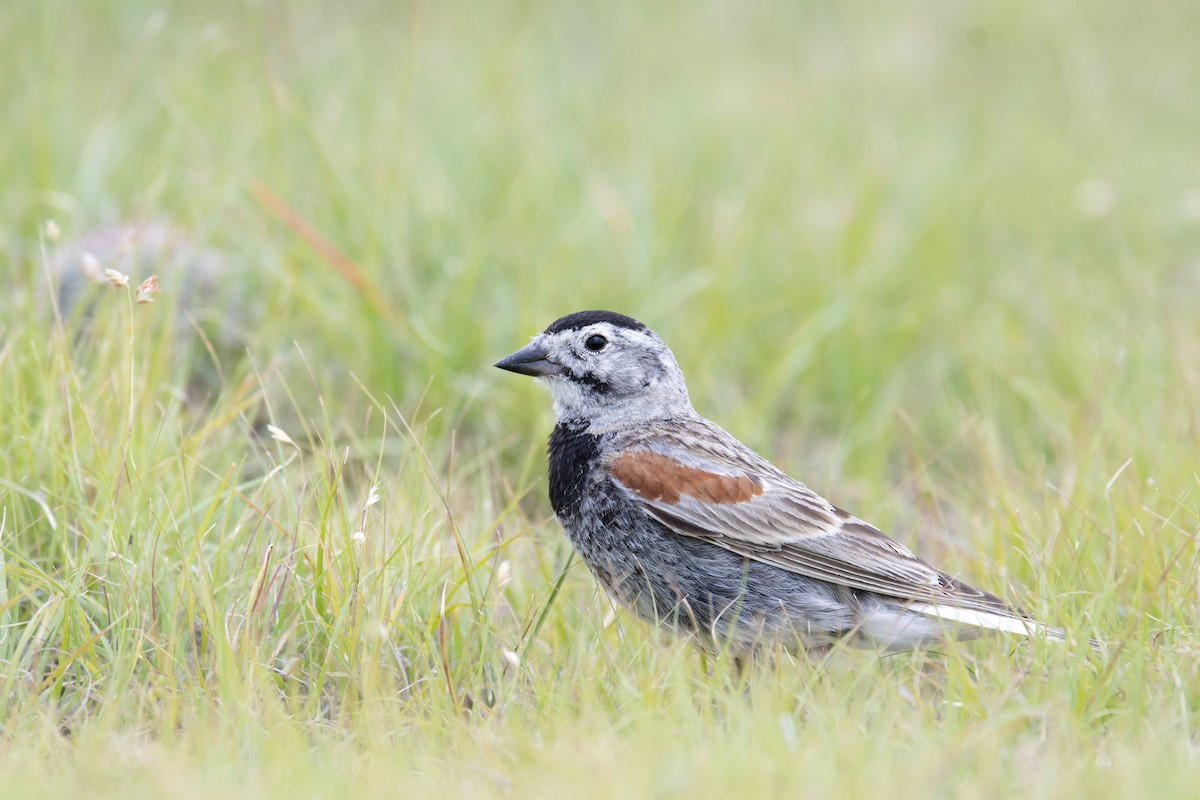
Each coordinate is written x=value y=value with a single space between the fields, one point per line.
x=739 y=502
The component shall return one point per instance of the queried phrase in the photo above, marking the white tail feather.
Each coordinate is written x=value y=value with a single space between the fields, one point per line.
x=990 y=620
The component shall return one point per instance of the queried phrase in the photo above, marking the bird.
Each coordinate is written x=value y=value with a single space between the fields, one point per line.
x=692 y=530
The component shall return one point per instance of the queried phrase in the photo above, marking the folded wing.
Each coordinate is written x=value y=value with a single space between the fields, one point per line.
x=741 y=503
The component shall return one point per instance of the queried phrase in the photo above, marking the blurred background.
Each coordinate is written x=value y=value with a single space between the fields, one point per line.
x=828 y=212
x=940 y=260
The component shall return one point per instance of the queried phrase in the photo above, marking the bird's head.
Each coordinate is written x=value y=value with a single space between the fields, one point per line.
x=603 y=368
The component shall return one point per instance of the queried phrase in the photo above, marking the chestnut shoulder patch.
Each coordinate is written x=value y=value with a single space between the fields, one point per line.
x=660 y=478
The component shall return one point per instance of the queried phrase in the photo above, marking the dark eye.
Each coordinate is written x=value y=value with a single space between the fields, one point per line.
x=595 y=342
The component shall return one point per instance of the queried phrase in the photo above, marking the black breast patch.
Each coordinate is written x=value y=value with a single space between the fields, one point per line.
x=572 y=455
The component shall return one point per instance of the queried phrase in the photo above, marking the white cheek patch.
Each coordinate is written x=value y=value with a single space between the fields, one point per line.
x=567 y=395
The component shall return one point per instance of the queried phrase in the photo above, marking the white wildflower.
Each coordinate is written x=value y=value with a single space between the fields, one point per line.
x=511 y=658
x=116 y=278
x=279 y=435
x=372 y=497
x=359 y=537
x=53 y=232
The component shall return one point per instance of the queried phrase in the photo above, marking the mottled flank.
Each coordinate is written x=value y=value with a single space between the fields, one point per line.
x=660 y=478
x=581 y=319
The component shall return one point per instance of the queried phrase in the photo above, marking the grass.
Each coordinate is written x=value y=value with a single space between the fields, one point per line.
x=938 y=260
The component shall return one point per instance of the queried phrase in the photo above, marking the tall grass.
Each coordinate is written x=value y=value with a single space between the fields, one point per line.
x=283 y=531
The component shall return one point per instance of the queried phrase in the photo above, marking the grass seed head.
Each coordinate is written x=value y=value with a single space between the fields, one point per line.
x=147 y=290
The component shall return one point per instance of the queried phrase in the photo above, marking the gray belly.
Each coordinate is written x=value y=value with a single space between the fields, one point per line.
x=697 y=588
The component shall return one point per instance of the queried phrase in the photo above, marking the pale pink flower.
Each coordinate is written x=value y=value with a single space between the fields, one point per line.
x=149 y=288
